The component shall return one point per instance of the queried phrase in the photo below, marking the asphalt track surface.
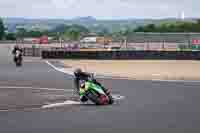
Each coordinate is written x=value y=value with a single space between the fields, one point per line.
x=149 y=106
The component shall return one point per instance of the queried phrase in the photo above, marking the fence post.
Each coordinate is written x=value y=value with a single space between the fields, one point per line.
x=189 y=44
x=24 y=51
x=163 y=45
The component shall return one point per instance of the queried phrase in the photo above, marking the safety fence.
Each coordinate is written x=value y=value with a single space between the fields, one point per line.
x=34 y=52
x=110 y=55
x=163 y=41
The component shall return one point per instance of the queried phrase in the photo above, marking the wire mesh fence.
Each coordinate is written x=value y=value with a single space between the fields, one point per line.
x=164 y=41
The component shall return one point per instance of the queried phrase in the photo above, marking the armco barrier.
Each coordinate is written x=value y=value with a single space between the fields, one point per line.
x=34 y=52
x=107 y=55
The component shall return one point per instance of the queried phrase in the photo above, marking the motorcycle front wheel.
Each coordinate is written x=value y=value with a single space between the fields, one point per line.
x=93 y=97
x=111 y=100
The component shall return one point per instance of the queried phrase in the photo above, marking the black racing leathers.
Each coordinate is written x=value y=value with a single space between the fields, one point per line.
x=14 y=52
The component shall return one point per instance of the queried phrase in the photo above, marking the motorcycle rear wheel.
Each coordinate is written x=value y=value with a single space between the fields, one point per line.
x=18 y=63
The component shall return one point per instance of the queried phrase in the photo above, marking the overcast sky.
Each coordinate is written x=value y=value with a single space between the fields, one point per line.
x=101 y=9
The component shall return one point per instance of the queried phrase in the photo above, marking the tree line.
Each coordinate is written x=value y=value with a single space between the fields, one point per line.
x=2 y=29
x=65 y=32
x=173 y=27
x=75 y=32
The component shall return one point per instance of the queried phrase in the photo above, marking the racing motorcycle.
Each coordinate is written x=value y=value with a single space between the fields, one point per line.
x=18 y=58
x=95 y=93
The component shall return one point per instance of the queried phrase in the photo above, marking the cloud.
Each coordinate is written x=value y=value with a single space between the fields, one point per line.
x=99 y=8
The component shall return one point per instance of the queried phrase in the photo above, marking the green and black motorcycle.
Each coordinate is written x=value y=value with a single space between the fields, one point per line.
x=95 y=93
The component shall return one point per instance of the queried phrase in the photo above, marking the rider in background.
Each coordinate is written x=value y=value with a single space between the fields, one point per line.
x=80 y=75
x=16 y=47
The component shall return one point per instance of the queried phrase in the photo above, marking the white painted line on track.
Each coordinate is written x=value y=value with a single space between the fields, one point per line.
x=63 y=70
x=156 y=74
x=117 y=97
x=185 y=81
x=24 y=109
x=30 y=61
x=68 y=102
x=34 y=88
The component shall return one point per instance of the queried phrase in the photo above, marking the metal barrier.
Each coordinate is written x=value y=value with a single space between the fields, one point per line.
x=34 y=52
x=110 y=55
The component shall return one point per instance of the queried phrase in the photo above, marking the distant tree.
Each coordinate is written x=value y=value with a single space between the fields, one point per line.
x=139 y=29
x=66 y=32
x=2 y=29
x=63 y=28
x=60 y=28
x=150 y=28
x=21 y=33
x=34 y=34
x=127 y=32
x=161 y=28
x=79 y=28
x=197 y=26
x=103 y=32
x=172 y=28
x=198 y=21
x=175 y=27
x=11 y=36
x=73 y=35
x=119 y=36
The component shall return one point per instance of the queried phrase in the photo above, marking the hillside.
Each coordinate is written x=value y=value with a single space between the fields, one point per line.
x=91 y=23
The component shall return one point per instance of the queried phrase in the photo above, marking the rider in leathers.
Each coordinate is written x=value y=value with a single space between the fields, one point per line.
x=16 y=47
x=80 y=75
